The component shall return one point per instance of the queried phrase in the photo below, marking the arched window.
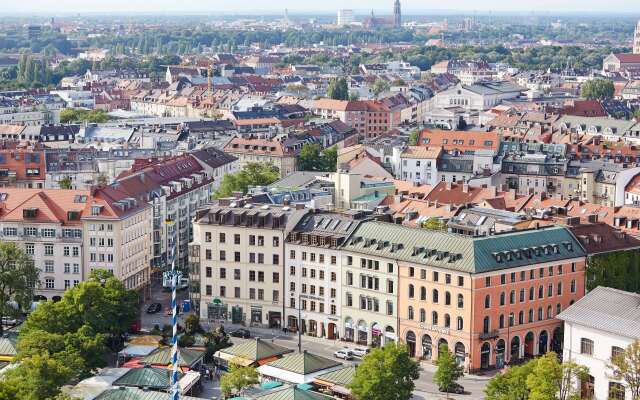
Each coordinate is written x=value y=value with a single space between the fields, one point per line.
x=423 y=293
x=434 y=296
x=460 y=301
x=486 y=324
x=447 y=298
x=502 y=298
x=540 y=291
x=501 y=321
x=434 y=318
x=487 y=301
x=411 y=291
x=410 y=313
x=531 y=293
x=512 y=297
x=549 y=312
x=531 y=315
x=559 y=289
x=423 y=315
x=558 y=308
x=540 y=316
x=459 y=323
x=522 y=295
x=573 y=286
x=521 y=317
x=447 y=321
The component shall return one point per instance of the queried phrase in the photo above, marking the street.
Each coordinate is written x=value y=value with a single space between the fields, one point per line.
x=425 y=388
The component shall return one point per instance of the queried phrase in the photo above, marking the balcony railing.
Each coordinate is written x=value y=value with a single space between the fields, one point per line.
x=490 y=335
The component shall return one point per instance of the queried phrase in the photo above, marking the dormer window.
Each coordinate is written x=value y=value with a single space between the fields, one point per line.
x=73 y=215
x=95 y=210
x=29 y=212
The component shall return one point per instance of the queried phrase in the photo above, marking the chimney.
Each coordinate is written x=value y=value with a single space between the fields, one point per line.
x=447 y=185
x=465 y=188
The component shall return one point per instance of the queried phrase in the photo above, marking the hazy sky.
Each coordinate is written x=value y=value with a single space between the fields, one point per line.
x=80 y=6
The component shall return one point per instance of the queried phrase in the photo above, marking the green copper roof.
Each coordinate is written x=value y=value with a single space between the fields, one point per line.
x=464 y=253
x=292 y=393
x=256 y=350
x=342 y=376
x=152 y=378
x=125 y=393
x=303 y=363
x=162 y=356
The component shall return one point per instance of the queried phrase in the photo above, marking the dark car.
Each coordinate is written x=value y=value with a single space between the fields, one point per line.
x=154 y=308
x=455 y=388
x=241 y=333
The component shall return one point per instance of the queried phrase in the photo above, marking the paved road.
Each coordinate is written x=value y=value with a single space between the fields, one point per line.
x=425 y=388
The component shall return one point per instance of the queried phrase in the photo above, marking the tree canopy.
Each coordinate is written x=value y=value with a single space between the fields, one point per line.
x=69 y=115
x=237 y=379
x=448 y=371
x=252 y=174
x=380 y=86
x=338 y=89
x=385 y=374
x=18 y=277
x=597 y=89
x=626 y=367
x=313 y=158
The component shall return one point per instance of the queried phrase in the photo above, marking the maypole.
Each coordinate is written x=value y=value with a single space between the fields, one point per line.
x=175 y=390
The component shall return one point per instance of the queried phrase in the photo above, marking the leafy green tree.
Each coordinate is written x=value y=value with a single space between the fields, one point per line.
x=354 y=96
x=65 y=183
x=192 y=324
x=214 y=341
x=597 y=89
x=38 y=377
x=550 y=379
x=449 y=371
x=510 y=385
x=338 y=89
x=69 y=115
x=252 y=174
x=626 y=367
x=380 y=86
x=413 y=137
x=433 y=224
x=386 y=373
x=237 y=379
x=330 y=159
x=620 y=270
x=18 y=276
x=312 y=158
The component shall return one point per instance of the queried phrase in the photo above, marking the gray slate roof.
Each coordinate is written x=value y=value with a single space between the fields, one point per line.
x=461 y=252
x=606 y=309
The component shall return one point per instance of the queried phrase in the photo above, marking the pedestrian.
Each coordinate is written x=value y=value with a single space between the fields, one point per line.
x=211 y=374
x=207 y=373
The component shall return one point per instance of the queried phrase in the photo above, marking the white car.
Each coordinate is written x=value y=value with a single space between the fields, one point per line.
x=360 y=351
x=344 y=354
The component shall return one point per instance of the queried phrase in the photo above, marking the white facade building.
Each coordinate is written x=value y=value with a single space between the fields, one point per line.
x=601 y=324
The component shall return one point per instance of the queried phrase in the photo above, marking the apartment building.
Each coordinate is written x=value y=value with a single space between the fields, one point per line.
x=371 y=118
x=312 y=276
x=71 y=232
x=238 y=255
x=491 y=300
x=176 y=187
x=264 y=151
x=21 y=165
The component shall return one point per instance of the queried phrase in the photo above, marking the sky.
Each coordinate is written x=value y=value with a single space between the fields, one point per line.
x=271 y=6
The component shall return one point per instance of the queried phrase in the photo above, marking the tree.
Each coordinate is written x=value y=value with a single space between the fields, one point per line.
x=37 y=377
x=312 y=158
x=338 y=89
x=69 y=115
x=330 y=159
x=65 y=183
x=433 y=224
x=413 y=137
x=237 y=379
x=354 y=96
x=18 y=276
x=449 y=371
x=626 y=367
x=550 y=379
x=214 y=341
x=510 y=385
x=597 y=89
x=380 y=86
x=192 y=324
x=252 y=174
x=386 y=373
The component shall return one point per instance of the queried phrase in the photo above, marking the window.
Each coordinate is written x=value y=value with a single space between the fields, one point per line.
x=411 y=291
x=236 y=256
x=275 y=277
x=276 y=259
x=559 y=289
x=236 y=238
x=435 y=276
x=487 y=301
x=531 y=294
x=616 y=351
x=503 y=279
x=276 y=241
x=236 y=274
x=390 y=268
x=487 y=281
x=223 y=273
x=48 y=249
x=550 y=290
x=460 y=301
x=410 y=313
x=540 y=314
x=501 y=321
x=67 y=284
x=459 y=324
x=208 y=290
x=447 y=298
x=447 y=279
x=540 y=291
x=49 y=283
x=616 y=391
x=503 y=299
x=521 y=317
x=207 y=237
x=223 y=255
x=67 y=268
x=434 y=296
x=512 y=297
x=48 y=266
x=389 y=307
x=222 y=238
x=461 y=281
x=447 y=321
x=486 y=324
x=208 y=272
x=522 y=295
x=573 y=286
x=236 y=292
x=549 y=312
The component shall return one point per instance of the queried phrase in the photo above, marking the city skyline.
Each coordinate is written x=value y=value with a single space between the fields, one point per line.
x=256 y=7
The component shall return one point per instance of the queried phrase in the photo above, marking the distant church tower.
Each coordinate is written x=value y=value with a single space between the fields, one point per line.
x=636 y=39
x=397 y=15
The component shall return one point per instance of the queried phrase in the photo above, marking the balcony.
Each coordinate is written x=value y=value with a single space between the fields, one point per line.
x=490 y=335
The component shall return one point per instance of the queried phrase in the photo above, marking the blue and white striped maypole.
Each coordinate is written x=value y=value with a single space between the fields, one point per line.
x=175 y=390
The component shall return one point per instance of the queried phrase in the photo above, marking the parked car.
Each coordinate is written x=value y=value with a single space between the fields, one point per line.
x=241 y=333
x=154 y=308
x=344 y=354
x=453 y=388
x=8 y=321
x=360 y=351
